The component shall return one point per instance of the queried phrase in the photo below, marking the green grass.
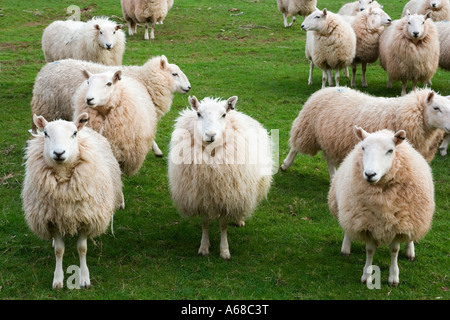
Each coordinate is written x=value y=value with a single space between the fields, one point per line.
x=290 y=249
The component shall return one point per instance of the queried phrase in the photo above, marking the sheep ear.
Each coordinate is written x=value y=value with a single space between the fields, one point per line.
x=119 y=26
x=325 y=11
x=117 y=76
x=370 y=10
x=360 y=133
x=399 y=137
x=40 y=122
x=164 y=62
x=194 y=102
x=97 y=27
x=430 y=97
x=81 y=121
x=86 y=73
x=231 y=103
x=427 y=15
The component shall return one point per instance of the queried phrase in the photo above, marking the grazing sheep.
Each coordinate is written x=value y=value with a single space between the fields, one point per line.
x=444 y=145
x=383 y=193
x=72 y=186
x=295 y=7
x=368 y=26
x=220 y=165
x=409 y=50
x=353 y=8
x=443 y=28
x=145 y=11
x=57 y=82
x=440 y=9
x=328 y=116
x=98 y=40
x=120 y=109
x=330 y=44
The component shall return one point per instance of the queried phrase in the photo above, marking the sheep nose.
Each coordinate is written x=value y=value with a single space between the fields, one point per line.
x=389 y=20
x=88 y=101
x=434 y=5
x=58 y=154
x=369 y=175
x=210 y=136
x=108 y=46
x=415 y=34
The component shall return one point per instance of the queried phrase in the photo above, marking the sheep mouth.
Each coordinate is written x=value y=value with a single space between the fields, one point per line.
x=185 y=90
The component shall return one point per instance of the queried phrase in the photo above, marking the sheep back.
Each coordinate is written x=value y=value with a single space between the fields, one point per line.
x=444 y=44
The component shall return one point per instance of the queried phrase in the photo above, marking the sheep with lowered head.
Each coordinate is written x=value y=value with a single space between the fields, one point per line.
x=220 y=166
x=330 y=44
x=443 y=28
x=353 y=8
x=57 y=82
x=383 y=193
x=424 y=114
x=439 y=9
x=120 y=109
x=295 y=7
x=98 y=40
x=72 y=186
x=409 y=50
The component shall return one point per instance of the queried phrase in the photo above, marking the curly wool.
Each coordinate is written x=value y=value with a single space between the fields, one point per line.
x=423 y=6
x=83 y=199
x=444 y=44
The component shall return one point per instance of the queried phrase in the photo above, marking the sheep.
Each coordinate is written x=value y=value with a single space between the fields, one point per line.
x=145 y=11
x=98 y=40
x=368 y=25
x=120 y=109
x=409 y=50
x=220 y=165
x=330 y=44
x=440 y=9
x=72 y=186
x=443 y=28
x=295 y=7
x=445 y=142
x=383 y=193
x=423 y=113
x=353 y=8
x=57 y=82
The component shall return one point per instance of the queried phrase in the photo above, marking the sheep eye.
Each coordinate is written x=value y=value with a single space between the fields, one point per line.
x=175 y=74
x=45 y=134
x=224 y=115
x=409 y=23
x=317 y=17
x=87 y=81
x=109 y=84
x=437 y=109
x=74 y=134
x=114 y=32
x=101 y=32
x=199 y=115
x=363 y=148
x=389 y=152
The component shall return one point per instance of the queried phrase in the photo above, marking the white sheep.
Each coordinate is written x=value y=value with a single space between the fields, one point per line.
x=409 y=50
x=145 y=11
x=120 y=109
x=368 y=26
x=295 y=7
x=383 y=193
x=328 y=116
x=445 y=142
x=72 y=186
x=220 y=165
x=443 y=28
x=439 y=9
x=330 y=44
x=353 y=8
x=57 y=82
x=98 y=40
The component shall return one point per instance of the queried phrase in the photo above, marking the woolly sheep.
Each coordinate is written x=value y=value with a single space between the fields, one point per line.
x=444 y=145
x=98 y=40
x=383 y=193
x=424 y=114
x=368 y=25
x=72 y=186
x=145 y=11
x=330 y=44
x=295 y=7
x=409 y=50
x=443 y=28
x=220 y=165
x=439 y=9
x=353 y=8
x=120 y=109
x=57 y=82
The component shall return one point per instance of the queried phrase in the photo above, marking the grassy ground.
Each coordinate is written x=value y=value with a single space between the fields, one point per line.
x=288 y=250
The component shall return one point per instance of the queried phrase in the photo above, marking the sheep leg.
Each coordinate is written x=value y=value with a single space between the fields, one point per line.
x=393 y=270
x=346 y=245
x=286 y=24
x=444 y=145
x=85 y=281
x=146 y=32
x=156 y=149
x=414 y=85
x=224 y=250
x=403 y=88
x=130 y=28
x=331 y=168
x=152 y=31
x=367 y=271
x=337 y=76
x=289 y=160
x=324 y=78
x=409 y=248
x=346 y=73
x=363 y=77
x=58 y=277
x=389 y=84
x=330 y=77
x=204 y=244
x=353 y=81
x=310 y=78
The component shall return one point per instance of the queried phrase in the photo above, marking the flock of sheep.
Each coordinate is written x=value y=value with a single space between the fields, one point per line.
x=95 y=120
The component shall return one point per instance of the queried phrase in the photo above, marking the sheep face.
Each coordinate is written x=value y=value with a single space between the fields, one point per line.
x=107 y=35
x=378 y=17
x=416 y=25
x=378 y=151
x=435 y=4
x=180 y=81
x=438 y=111
x=315 y=21
x=364 y=4
x=212 y=114
x=61 y=140
x=100 y=87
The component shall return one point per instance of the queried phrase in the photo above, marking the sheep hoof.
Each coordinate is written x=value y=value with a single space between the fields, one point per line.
x=225 y=254
x=393 y=283
x=345 y=254
x=159 y=155
x=203 y=251
x=240 y=223
x=85 y=284
x=443 y=151
x=57 y=284
x=283 y=168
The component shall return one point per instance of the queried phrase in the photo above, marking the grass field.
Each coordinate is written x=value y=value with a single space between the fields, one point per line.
x=290 y=249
